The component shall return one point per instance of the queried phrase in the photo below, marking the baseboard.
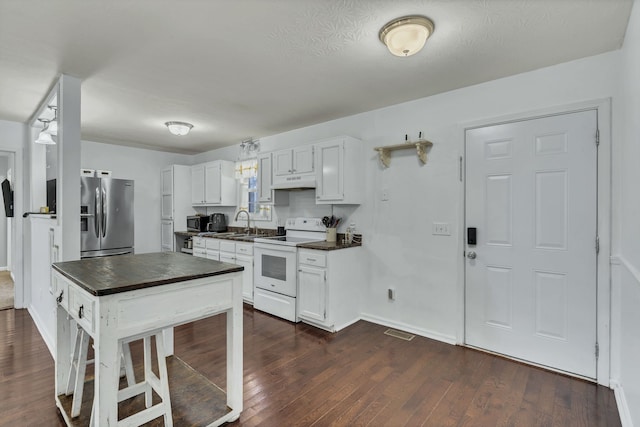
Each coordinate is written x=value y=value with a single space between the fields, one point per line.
x=5 y=268
x=12 y=276
x=48 y=340
x=449 y=339
x=621 y=401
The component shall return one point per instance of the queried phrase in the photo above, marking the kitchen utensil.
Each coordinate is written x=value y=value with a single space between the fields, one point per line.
x=325 y=221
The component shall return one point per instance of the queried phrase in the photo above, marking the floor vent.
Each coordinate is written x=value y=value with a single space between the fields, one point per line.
x=399 y=334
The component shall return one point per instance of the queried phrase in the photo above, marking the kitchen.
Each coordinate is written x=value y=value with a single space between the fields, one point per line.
x=401 y=249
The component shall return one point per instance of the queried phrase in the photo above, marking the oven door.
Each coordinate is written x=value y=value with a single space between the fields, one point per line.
x=275 y=268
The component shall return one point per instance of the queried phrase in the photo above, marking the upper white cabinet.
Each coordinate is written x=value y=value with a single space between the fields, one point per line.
x=293 y=167
x=265 y=193
x=339 y=168
x=213 y=183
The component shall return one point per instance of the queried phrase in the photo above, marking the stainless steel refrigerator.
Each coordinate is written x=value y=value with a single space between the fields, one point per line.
x=106 y=217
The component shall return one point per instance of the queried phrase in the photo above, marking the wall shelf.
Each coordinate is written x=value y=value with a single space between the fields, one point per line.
x=420 y=146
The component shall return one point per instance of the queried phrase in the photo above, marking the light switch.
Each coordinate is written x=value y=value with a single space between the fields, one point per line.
x=384 y=195
x=441 y=229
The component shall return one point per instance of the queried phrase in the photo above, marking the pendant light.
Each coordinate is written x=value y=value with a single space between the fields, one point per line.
x=406 y=36
x=53 y=124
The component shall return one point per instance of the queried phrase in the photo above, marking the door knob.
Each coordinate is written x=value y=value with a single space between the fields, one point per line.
x=471 y=255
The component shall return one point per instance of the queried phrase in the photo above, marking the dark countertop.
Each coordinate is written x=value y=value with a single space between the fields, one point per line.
x=122 y=273
x=328 y=246
x=185 y=233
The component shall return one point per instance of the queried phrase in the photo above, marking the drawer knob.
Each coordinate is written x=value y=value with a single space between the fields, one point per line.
x=81 y=312
x=59 y=297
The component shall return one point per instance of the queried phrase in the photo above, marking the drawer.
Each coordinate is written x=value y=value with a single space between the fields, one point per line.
x=312 y=258
x=212 y=254
x=199 y=242
x=213 y=244
x=81 y=308
x=244 y=248
x=61 y=292
x=226 y=246
x=200 y=252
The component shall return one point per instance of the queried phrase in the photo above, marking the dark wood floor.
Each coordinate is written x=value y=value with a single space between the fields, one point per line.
x=299 y=375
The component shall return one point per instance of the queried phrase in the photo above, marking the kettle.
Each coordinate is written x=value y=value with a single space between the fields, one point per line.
x=218 y=222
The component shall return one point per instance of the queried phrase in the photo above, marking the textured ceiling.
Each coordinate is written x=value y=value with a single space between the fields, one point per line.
x=245 y=68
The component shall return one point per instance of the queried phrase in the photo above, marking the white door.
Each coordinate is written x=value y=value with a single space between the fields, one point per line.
x=311 y=292
x=303 y=159
x=264 y=178
x=531 y=194
x=197 y=184
x=213 y=183
x=282 y=163
x=166 y=236
x=167 y=194
x=330 y=176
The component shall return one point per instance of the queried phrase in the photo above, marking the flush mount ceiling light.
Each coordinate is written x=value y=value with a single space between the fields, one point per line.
x=179 y=128
x=407 y=35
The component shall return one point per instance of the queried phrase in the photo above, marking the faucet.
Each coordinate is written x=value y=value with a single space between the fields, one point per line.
x=248 y=229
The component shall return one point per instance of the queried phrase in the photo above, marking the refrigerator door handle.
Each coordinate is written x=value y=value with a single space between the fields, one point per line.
x=104 y=212
x=97 y=210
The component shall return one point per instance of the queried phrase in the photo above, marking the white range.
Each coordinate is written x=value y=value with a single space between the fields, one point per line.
x=276 y=273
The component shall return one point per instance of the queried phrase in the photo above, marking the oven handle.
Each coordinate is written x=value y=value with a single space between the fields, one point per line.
x=274 y=248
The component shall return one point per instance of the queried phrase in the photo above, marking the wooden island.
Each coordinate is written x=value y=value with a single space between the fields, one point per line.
x=122 y=298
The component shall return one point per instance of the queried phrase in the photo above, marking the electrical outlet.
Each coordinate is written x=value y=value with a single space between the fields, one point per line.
x=384 y=194
x=391 y=294
x=441 y=229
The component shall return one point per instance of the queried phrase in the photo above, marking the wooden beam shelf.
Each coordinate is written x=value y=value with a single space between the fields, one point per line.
x=420 y=147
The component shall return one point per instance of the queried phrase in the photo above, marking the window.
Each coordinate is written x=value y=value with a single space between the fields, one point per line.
x=247 y=174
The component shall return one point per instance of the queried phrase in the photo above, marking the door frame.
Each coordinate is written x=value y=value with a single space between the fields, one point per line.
x=604 y=204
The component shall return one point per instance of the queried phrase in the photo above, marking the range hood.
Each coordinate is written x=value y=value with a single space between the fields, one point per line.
x=295 y=182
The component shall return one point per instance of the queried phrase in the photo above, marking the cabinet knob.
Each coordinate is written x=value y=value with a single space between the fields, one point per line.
x=81 y=312
x=59 y=298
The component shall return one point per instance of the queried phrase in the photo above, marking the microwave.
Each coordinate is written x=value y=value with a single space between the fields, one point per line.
x=197 y=223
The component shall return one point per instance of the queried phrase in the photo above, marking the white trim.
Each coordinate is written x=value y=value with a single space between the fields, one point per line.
x=621 y=401
x=603 y=108
x=5 y=268
x=449 y=339
x=621 y=260
x=44 y=333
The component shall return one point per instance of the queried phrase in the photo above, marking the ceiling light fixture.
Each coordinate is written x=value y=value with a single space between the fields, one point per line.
x=53 y=124
x=179 y=128
x=407 y=35
x=44 y=137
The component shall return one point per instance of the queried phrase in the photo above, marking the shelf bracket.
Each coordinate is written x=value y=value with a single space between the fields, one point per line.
x=421 y=150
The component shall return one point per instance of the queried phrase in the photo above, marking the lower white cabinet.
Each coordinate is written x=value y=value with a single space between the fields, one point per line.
x=167 y=239
x=231 y=252
x=330 y=287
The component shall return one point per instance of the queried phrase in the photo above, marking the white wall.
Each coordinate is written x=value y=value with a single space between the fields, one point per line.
x=143 y=166
x=626 y=277
x=401 y=250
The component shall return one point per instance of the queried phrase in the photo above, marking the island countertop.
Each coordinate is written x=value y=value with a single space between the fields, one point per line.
x=122 y=273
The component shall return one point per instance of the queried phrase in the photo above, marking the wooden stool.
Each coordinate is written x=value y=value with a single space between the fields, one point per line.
x=79 y=362
x=75 y=382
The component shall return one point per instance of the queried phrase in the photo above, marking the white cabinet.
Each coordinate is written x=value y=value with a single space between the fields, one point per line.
x=197 y=184
x=329 y=287
x=214 y=184
x=175 y=204
x=239 y=253
x=167 y=240
x=293 y=167
x=312 y=302
x=339 y=171
x=265 y=193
